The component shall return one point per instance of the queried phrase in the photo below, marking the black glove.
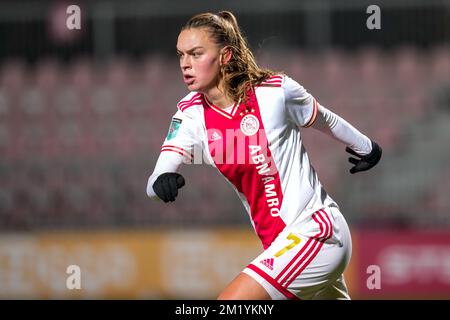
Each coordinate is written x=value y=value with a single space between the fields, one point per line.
x=366 y=162
x=167 y=184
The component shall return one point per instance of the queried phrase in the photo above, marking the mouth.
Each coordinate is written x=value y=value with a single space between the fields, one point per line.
x=188 y=79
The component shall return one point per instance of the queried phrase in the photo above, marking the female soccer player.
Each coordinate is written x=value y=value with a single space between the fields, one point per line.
x=246 y=122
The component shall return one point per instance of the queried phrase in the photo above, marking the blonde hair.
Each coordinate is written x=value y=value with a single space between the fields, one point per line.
x=241 y=73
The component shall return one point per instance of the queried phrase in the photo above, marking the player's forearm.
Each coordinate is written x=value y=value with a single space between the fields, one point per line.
x=167 y=162
x=333 y=125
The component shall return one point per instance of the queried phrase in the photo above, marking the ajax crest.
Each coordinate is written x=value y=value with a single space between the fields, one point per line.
x=249 y=125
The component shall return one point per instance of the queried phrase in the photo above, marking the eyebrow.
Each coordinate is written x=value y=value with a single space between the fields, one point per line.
x=191 y=50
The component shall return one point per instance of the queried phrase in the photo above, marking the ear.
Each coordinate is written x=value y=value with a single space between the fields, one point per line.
x=225 y=55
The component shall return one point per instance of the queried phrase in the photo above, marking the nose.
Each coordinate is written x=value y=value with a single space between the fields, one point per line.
x=185 y=63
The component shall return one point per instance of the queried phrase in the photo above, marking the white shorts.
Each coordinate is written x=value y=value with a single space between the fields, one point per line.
x=306 y=261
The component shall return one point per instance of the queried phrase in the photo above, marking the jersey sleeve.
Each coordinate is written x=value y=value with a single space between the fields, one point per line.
x=181 y=137
x=301 y=106
x=178 y=148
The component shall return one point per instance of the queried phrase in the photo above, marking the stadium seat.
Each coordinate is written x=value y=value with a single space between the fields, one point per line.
x=105 y=123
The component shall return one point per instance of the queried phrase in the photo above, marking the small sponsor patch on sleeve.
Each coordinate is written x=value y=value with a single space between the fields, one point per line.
x=173 y=129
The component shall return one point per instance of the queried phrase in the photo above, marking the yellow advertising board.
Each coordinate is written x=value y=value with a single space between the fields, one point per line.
x=173 y=264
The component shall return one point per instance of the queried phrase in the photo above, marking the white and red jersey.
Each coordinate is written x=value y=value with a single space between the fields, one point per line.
x=257 y=147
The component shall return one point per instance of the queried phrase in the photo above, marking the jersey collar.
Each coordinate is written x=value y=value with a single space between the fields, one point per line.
x=228 y=115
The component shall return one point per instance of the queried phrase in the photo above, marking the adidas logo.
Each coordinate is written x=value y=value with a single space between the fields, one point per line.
x=215 y=136
x=268 y=263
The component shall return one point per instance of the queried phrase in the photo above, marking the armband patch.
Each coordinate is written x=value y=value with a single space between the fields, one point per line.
x=173 y=129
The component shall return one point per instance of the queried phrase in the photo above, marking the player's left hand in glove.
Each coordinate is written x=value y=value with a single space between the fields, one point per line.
x=363 y=163
x=167 y=184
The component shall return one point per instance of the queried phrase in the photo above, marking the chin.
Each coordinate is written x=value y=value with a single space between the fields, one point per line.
x=194 y=87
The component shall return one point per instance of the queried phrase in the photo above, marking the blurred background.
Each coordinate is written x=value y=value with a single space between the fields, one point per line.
x=83 y=114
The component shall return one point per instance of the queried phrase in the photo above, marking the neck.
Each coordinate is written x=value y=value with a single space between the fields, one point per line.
x=218 y=98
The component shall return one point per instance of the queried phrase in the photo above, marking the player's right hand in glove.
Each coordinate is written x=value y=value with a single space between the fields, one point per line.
x=363 y=163
x=167 y=184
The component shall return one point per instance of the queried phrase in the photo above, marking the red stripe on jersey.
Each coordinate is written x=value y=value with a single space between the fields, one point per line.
x=299 y=254
x=189 y=102
x=274 y=284
x=184 y=102
x=246 y=161
x=329 y=221
x=186 y=106
x=314 y=250
x=326 y=221
x=177 y=150
x=275 y=77
x=323 y=231
x=173 y=150
x=293 y=273
x=174 y=147
x=302 y=264
x=272 y=81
